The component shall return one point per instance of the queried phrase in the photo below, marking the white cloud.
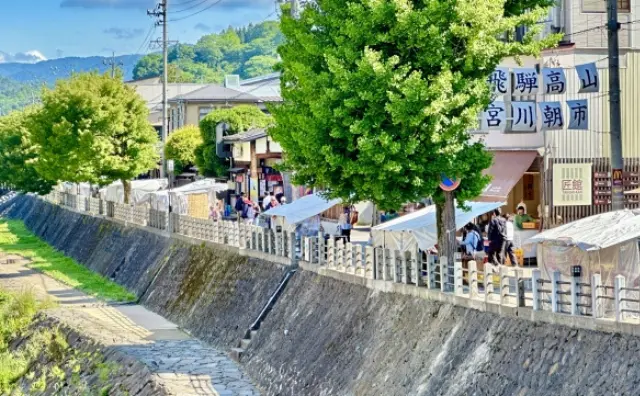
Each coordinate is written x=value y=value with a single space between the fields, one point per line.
x=22 y=57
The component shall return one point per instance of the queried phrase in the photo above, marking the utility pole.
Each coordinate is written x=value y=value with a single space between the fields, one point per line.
x=617 y=190
x=112 y=62
x=161 y=13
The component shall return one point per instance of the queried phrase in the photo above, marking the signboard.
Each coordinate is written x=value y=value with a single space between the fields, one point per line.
x=572 y=185
x=603 y=185
x=449 y=184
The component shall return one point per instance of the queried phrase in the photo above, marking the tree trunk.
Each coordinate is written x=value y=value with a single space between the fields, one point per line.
x=126 y=184
x=446 y=223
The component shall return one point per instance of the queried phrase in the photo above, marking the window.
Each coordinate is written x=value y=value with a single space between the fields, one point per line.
x=203 y=111
x=601 y=5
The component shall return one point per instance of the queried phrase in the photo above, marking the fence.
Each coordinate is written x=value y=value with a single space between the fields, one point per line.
x=503 y=286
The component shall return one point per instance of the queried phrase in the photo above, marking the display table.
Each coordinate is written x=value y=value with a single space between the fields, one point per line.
x=520 y=237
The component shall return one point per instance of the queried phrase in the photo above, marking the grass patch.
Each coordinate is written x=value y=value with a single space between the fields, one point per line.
x=16 y=238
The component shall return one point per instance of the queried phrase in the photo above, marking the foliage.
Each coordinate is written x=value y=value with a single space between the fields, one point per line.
x=181 y=146
x=15 y=95
x=238 y=119
x=93 y=128
x=379 y=96
x=249 y=51
x=17 y=154
x=16 y=238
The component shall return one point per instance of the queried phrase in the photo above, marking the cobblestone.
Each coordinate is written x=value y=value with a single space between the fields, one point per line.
x=182 y=365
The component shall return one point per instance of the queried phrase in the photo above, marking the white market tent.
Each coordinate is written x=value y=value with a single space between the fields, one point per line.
x=160 y=199
x=606 y=243
x=303 y=208
x=115 y=191
x=420 y=230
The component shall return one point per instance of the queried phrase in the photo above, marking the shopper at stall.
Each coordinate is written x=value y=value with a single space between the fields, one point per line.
x=508 y=244
x=497 y=235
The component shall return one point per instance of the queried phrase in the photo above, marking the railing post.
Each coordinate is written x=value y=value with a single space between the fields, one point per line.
x=385 y=271
x=535 y=287
x=292 y=245
x=555 y=288
x=416 y=256
x=349 y=258
x=619 y=295
x=339 y=255
x=519 y=288
x=488 y=281
x=331 y=260
x=504 y=284
x=575 y=288
x=443 y=273
x=322 y=249
x=457 y=277
x=393 y=254
x=368 y=261
x=596 y=292
x=405 y=271
x=473 y=279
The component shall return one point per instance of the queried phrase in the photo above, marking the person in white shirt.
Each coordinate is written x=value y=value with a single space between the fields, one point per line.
x=267 y=200
x=508 y=245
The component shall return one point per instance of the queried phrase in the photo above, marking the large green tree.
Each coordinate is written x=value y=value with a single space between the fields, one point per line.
x=238 y=119
x=181 y=146
x=18 y=153
x=93 y=128
x=379 y=95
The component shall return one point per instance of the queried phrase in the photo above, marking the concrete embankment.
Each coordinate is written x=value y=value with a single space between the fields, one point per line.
x=327 y=337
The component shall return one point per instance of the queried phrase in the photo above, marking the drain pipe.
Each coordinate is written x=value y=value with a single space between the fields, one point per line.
x=274 y=297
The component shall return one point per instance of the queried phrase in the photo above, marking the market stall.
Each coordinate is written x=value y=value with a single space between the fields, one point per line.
x=419 y=230
x=304 y=214
x=585 y=243
x=193 y=199
x=114 y=192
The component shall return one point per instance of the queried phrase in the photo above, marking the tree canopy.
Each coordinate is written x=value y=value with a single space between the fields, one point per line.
x=18 y=153
x=93 y=128
x=249 y=51
x=238 y=119
x=181 y=147
x=379 y=96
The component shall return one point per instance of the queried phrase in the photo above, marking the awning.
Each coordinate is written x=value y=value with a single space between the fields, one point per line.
x=303 y=208
x=507 y=169
x=238 y=170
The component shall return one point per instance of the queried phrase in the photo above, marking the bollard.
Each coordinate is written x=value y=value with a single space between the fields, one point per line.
x=535 y=287
x=555 y=288
x=596 y=292
x=619 y=296
x=473 y=279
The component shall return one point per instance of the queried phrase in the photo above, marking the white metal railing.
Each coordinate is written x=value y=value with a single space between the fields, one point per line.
x=505 y=286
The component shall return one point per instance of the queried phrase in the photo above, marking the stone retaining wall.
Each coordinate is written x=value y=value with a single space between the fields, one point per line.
x=328 y=337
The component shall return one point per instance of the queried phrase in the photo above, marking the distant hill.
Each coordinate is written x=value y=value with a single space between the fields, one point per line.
x=50 y=70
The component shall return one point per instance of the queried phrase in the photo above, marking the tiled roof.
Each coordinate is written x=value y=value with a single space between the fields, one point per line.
x=248 y=136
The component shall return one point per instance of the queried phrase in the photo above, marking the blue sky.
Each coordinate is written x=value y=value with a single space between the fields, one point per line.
x=97 y=27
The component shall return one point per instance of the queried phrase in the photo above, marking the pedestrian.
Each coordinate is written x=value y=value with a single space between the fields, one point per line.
x=508 y=245
x=250 y=213
x=213 y=214
x=240 y=204
x=344 y=223
x=354 y=216
x=497 y=235
x=472 y=242
x=266 y=201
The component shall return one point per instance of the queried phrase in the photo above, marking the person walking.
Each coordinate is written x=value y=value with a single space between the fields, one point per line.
x=508 y=244
x=497 y=235
x=239 y=207
x=344 y=222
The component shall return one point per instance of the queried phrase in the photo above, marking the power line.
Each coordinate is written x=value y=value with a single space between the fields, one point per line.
x=190 y=7
x=198 y=12
x=185 y=2
x=150 y=33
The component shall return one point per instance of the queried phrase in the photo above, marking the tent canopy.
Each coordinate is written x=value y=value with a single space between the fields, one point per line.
x=303 y=208
x=114 y=192
x=589 y=233
x=160 y=199
x=420 y=228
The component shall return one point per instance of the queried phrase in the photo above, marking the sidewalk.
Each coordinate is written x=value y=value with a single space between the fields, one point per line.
x=183 y=365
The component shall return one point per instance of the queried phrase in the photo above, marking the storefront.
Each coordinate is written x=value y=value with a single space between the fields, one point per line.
x=517 y=181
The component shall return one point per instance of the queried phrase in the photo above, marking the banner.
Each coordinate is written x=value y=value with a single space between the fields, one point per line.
x=554 y=81
x=495 y=116
x=572 y=185
x=526 y=81
x=589 y=78
x=578 y=114
x=499 y=81
x=524 y=116
x=551 y=115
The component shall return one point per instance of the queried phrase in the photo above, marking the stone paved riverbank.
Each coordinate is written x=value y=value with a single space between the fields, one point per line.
x=180 y=364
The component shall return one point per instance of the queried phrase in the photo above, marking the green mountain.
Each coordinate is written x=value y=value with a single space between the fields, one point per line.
x=16 y=95
x=249 y=51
